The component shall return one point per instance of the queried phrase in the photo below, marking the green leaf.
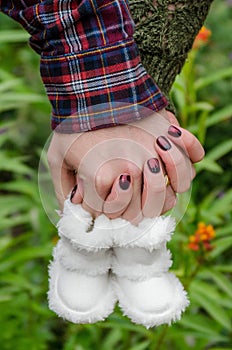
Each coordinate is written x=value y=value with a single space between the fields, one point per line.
x=200 y=106
x=14 y=220
x=207 y=289
x=112 y=339
x=209 y=165
x=142 y=346
x=224 y=231
x=221 y=245
x=21 y=98
x=211 y=290
x=21 y=239
x=123 y=323
x=200 y=323
x=23 y=186
x=219 y=151
x=223 y=268
x=218 y=75
x=219 y=206
x=178 y=92
x=4 y=298
x=10 y=204
x=13 y=36
x=179 y=332
x=7 y=106
x=202 y=126
x=9 y=84
x=5 y=127
x=213 y=309
x=26 y=254
x=222 y=282
x=13 y=164
x=20 y=281
x=215 y=118
x=4 y=243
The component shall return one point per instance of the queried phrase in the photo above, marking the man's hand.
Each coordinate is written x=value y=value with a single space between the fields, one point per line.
x=121 y=170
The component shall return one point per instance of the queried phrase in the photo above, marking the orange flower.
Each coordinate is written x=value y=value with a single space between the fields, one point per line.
x=194 y=246
x=202 y=237
x=202 y=37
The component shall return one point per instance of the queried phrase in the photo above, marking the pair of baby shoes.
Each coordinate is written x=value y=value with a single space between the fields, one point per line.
x=97 y=264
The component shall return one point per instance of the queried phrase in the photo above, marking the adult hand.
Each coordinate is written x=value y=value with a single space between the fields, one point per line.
x=119 y=171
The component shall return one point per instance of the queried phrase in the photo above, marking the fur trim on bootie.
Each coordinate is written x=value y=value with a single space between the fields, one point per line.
x=77 y=226
x=83 y=261
x=149 y=234
x=140 y=263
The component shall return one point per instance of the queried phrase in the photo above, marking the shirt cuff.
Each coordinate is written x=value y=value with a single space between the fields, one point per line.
x=99 y=87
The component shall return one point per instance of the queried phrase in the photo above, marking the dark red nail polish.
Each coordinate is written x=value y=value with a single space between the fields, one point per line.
x=163 y=143
x=153 y=165
x=73 y=192
x=124 y=182
x=173 y=131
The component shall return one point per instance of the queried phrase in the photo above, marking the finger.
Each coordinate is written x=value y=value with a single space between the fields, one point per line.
x=154 y=189
x=193 y=172
x=172 y=118
x=170 y=200
x=97 y=187
x=119 y=197
x=63 y=179
x=76 y=196
x=187 y=141
x=92 y=202
x=178 y=166
x=133 y=213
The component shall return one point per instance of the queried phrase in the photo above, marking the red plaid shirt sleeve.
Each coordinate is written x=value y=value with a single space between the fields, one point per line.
x=90 y=64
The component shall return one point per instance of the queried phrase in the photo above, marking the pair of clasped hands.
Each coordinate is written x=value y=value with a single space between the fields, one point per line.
x=122 y=171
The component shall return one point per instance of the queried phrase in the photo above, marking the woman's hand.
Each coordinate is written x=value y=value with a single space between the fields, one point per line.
x=121 y=170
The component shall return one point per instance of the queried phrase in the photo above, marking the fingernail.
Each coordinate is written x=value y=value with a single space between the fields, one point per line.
x=73 y=192
x=163 y=143
x=153 y=165
x=124 y=182
x=173 y=131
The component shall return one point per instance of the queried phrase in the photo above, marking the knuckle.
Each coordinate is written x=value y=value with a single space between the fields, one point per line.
x=193 y=141
x=170 y=203
x=201 y=154
x=102 y=181
x=193 y=173
x=184 y=187
x=178 y=160
x=53 y=161
x=133 y=170
x=157 y=188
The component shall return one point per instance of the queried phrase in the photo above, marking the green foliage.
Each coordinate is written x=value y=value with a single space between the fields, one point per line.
x=202 y=95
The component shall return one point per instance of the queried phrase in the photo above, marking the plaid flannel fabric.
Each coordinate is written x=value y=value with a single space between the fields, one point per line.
x=90 y=64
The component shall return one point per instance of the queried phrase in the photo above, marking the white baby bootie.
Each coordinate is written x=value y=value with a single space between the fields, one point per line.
x=97 y=263
x=76 y=224
x=148 y=294
x=80 y=288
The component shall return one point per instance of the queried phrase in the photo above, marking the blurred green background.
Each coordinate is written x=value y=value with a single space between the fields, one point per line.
x=203 y=99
